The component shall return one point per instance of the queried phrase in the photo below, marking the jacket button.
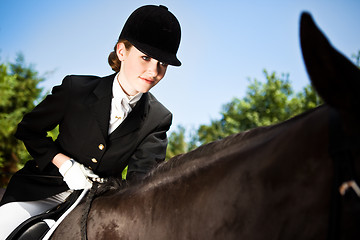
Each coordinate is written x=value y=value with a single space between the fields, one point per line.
x=94 y=160
x=101 y=147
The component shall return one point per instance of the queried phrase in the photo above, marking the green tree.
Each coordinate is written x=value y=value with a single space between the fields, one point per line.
x=356 y=57
x=177 y=143
x=19 y=91
x=264 y=104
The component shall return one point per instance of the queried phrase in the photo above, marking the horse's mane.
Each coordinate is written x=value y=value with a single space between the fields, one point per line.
x=202 y=157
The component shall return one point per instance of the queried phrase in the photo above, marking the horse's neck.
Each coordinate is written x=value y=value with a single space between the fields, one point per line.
x=254 y=148
x=253 y=175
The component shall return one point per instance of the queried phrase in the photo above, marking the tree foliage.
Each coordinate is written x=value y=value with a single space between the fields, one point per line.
x=265 y=103
x=177 y=143
x=19 y=91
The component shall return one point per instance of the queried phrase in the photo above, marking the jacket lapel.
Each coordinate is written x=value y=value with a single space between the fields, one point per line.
x=101 y=105
x=134 y=120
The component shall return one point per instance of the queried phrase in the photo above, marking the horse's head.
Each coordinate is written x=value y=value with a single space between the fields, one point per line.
x=335 y=78
x=337 y=81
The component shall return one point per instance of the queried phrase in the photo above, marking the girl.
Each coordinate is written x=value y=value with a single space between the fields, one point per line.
x=105 y=123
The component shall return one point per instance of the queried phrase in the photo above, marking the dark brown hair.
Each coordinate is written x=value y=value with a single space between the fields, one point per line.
x=113 y=59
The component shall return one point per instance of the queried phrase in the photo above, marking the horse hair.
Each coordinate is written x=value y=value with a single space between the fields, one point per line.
x=98 y=189
x=206 y=151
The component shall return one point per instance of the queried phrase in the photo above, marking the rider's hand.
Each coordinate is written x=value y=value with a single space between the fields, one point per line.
x=76 y=175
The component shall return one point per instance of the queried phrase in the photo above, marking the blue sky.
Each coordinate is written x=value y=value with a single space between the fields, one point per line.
x=224 y=43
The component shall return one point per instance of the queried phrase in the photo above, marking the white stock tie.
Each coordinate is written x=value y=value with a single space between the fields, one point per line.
x=119 y=111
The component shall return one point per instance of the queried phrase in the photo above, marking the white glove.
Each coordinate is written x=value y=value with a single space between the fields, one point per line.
x=76 y=175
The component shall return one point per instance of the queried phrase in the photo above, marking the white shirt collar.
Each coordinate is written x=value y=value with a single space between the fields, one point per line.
x=119 y=93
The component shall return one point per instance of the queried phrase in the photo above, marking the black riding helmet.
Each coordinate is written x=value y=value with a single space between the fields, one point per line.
x=154 y=31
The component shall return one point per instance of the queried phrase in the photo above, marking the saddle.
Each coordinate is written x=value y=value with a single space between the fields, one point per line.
x=36 y=227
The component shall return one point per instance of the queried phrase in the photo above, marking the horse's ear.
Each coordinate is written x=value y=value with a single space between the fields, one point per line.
x=336 y=79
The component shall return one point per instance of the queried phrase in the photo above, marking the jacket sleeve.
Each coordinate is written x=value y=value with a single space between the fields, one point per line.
x=150 y=152
x=33 y=128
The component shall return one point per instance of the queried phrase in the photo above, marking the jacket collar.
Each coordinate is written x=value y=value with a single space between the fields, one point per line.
x=104 y=88
x=100 y=103
x=101 y=107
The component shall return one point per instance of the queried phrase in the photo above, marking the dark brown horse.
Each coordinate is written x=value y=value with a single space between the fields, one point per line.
x=268 y=183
